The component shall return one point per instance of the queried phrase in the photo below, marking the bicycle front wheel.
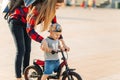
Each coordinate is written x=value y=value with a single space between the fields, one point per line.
x=72 y=76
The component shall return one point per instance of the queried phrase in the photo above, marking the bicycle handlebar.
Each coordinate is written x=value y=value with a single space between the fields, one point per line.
x=63 y=57
x=53 y=52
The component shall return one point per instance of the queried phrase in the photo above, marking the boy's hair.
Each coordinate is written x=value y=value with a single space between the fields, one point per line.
x=55 y=28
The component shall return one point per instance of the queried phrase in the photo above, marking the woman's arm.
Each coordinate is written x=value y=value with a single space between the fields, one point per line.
x=31 y=18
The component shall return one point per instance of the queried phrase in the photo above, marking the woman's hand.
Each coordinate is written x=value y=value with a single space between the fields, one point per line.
x=44 y=46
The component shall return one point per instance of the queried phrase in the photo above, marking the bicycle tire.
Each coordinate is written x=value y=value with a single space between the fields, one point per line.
x=73 y=76
x=36 y=73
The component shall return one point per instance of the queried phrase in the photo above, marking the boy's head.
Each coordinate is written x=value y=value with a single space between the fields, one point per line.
x=55 y=31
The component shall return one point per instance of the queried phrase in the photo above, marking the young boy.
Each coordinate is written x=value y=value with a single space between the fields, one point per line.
x=52 y=60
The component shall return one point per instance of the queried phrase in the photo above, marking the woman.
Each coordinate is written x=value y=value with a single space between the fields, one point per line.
x=17 y=23
x=43 y=11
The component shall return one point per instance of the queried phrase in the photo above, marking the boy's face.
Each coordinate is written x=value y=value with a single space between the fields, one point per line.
x=55 y=35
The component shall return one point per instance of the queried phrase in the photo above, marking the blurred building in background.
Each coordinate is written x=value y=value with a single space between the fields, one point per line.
x=94 y=3
x=115 y=4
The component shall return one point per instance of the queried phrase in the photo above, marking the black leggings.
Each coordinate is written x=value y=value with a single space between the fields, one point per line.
x=23 y=46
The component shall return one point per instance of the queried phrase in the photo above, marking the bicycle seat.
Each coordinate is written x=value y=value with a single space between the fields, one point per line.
x=39 y=62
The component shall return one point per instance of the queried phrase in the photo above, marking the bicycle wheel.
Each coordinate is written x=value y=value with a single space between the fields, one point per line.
x=32 y=73
x=72 y=76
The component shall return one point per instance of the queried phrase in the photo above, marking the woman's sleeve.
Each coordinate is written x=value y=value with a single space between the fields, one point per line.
x=54 y=20
x=31 y=18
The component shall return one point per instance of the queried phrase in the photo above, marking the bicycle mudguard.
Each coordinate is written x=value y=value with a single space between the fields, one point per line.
x=38 y=68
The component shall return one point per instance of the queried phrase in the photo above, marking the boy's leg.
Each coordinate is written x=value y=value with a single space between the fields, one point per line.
x=48 y=69
x=44 y=77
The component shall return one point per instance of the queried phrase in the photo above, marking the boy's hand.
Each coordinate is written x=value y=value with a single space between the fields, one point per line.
x=65 y=48
x=44 y=46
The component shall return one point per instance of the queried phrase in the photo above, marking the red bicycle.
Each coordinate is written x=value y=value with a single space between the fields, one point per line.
x=35 y=71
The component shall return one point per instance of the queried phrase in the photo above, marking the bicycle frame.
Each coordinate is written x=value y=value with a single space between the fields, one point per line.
x=40 y=64
x=38 y=69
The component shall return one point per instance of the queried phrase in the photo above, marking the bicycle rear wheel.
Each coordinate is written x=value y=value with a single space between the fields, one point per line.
x=32 y=73
x=72 y=76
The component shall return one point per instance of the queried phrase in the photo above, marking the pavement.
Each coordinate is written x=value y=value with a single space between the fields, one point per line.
x=92 y=35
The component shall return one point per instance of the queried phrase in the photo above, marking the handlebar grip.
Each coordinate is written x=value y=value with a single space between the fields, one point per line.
x=53 y=52
x=65 y=49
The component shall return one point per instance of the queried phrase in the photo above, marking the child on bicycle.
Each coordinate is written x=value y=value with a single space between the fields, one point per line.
x=52 y=60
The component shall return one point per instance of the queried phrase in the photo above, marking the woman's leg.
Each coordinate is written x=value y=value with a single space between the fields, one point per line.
x=26 y=59
x=18 y=35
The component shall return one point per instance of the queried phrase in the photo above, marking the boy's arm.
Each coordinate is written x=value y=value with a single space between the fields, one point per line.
x=64 y=45
x=59 y=46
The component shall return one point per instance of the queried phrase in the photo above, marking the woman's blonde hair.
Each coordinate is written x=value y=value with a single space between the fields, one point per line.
x=46 y=12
